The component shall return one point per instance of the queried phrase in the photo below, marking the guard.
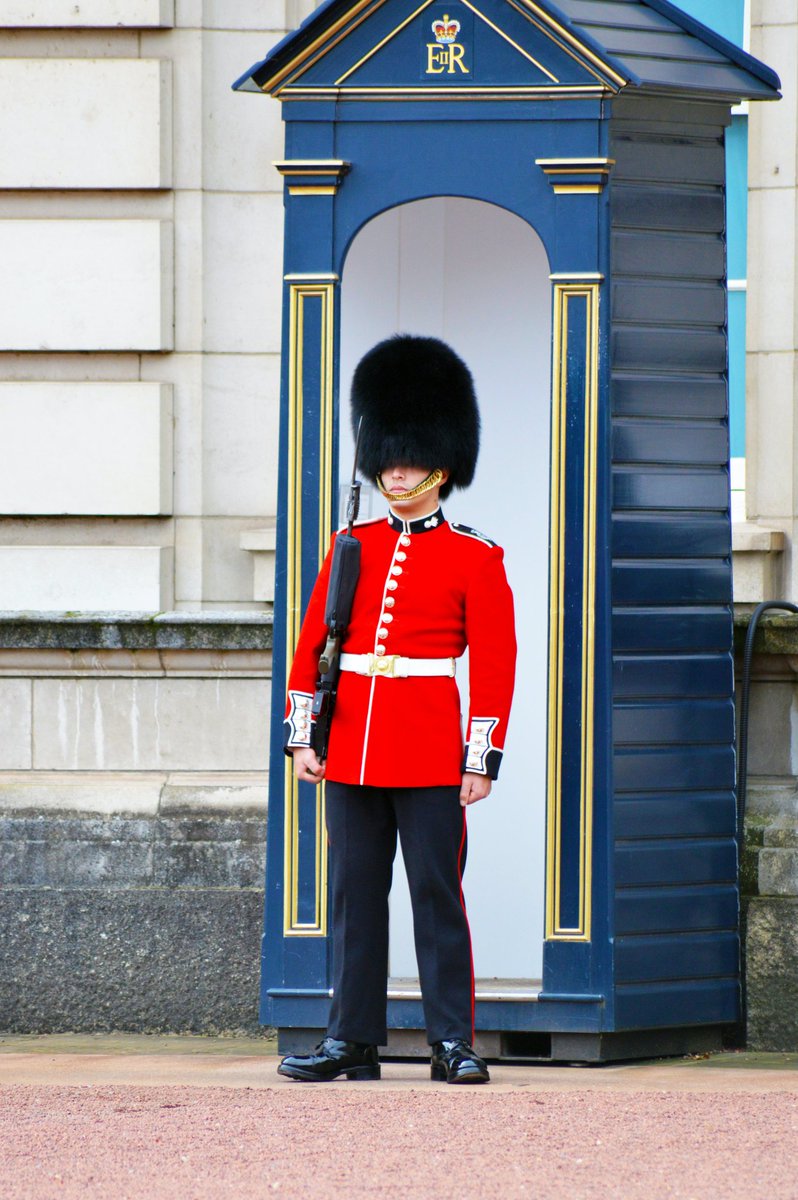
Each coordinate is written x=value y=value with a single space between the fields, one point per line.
x=428 y=588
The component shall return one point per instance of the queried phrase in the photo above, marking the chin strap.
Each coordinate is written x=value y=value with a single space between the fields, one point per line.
x=426 y=485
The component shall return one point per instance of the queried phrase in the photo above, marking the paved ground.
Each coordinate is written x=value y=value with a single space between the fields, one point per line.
x=134 y=1118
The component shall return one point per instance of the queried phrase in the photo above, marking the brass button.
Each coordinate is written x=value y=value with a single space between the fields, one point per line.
x=392 y=585
x=389 y=601
x=400 y=556
x=396 y=570
x=382 y=633
x=380 y=650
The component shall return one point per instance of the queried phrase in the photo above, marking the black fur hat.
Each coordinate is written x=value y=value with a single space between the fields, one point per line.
x=419 y=409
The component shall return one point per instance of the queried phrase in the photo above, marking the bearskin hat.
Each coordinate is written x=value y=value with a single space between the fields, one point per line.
x=419 y=409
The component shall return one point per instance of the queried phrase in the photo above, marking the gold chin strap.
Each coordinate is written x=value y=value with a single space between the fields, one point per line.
x=426 y=485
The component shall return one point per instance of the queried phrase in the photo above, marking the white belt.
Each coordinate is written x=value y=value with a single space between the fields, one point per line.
x=394 y=666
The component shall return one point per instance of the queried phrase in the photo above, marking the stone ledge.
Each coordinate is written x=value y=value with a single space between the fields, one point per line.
x=215 y=630
x=133 y=793
x=776 y=633
x=750 y=538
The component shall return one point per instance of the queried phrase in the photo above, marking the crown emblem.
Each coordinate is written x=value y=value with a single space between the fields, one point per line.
x=445 y=30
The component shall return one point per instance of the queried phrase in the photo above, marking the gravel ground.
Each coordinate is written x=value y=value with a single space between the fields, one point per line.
x=134 y=1142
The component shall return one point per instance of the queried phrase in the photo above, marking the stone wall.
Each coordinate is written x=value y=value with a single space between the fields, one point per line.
x=139 y=304
x=132 y=821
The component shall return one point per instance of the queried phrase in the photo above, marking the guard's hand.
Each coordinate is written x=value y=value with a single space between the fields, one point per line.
x=306 y=766
x=474 y=787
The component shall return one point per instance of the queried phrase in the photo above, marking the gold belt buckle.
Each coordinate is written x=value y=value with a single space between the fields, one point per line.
x=382 y=665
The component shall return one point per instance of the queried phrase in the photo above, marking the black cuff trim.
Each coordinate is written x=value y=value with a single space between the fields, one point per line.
x=493 y=760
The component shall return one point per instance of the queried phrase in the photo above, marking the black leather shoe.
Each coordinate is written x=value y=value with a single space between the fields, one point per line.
x=455 y=1061
x=330 y=1059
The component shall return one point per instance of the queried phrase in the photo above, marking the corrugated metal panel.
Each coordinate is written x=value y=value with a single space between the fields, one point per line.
x=678 y=675
x=682 y=630
x=665 y=49
x=685 y=1002
x=674 y=909
x=644 y=536
x=690 y=814
x=675 y=859
x=642 y=959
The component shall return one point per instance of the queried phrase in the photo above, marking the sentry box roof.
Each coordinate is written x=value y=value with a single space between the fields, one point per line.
x=361 y=49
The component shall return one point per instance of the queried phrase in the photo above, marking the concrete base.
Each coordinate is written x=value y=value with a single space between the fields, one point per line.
x=537 y=1047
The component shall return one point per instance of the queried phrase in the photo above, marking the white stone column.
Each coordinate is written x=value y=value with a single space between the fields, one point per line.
x=772 y=332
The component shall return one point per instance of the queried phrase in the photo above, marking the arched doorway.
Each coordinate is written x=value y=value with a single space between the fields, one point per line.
x=477 y=276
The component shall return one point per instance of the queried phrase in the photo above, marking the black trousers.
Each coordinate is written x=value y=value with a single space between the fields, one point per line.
x=362 y=825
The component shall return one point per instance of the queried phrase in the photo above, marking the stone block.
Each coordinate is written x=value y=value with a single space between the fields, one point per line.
x=783 y=835
x=240 y=413
x=262 y=544
x=241 y=139
x=772 y=146
x=151 y=724
x=86 y=285
x=772 y=973
x=769 y=750
x=214 y=793
x=146 y=960
x=189 y=316
x=60 y=122
x=259 y=15
x=188 y=561
x=186 y=54
x=61 y=862
x=85 y=448
x=66 y=14
x=242 y=253
x=84 y=578
x=226 y=568
x=15 y=723
x=184 y=373
x=771 y=392
x=197 y=864
x=757 y=558
x=54 y=850
x=770 y=327
x=774 y=12
x=72 y=792
x=778 y=871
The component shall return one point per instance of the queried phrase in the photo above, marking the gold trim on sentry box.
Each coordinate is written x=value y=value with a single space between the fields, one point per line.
x=566 y=293
x=514 y=44
x=301 y=291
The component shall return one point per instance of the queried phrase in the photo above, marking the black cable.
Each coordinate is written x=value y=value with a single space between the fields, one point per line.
x=742 y=758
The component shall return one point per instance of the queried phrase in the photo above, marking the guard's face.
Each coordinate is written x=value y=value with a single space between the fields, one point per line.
x=397 y=480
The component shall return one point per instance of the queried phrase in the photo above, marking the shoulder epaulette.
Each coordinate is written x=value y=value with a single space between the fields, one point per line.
x=360 y=524
x=467 y=531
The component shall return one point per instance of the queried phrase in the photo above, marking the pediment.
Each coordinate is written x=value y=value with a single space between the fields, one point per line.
x=406 y=49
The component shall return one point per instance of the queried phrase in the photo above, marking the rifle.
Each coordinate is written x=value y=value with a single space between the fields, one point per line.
x=344 y=572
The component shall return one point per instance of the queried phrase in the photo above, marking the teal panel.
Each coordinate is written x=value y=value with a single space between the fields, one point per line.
x=726 y=17
x=737 y=373
x=737 y=196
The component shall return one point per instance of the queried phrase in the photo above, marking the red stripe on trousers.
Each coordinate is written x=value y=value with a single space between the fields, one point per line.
x=468 y=927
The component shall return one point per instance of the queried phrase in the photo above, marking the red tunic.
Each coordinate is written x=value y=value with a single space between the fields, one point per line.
x=427 y=589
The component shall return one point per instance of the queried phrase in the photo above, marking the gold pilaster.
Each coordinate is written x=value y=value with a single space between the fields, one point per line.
x=303 y=291
x=566 y=293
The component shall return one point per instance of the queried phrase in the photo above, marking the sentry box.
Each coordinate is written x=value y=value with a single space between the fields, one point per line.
x=541 y=184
